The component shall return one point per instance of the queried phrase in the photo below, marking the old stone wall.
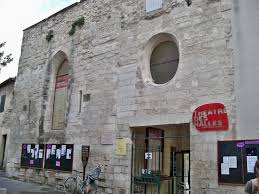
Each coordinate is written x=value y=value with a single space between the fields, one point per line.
x=108 y=59
x=7 y=90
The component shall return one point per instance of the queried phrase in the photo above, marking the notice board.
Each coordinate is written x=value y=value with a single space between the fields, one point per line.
x=32 y=155
x=59 y=157
x=236 y=159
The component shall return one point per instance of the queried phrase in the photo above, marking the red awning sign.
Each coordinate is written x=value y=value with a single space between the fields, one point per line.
x=210 y=117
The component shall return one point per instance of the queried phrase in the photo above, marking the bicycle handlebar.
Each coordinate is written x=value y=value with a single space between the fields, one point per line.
x=77 y=171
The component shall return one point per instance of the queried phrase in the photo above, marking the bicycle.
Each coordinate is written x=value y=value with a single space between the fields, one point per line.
x=86 y=186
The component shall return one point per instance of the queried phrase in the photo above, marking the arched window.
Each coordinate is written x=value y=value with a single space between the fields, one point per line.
x=164 y=62
x=60 y=97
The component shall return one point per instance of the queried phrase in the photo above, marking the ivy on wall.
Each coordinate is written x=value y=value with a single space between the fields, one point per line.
x=78 y=23
x=50 y=35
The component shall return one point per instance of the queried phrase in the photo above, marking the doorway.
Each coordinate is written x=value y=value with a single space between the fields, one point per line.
x=160 y=159
x=3 y=147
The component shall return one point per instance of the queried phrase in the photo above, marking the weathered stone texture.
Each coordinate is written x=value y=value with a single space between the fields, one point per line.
x=7 y=89
x=106 y=58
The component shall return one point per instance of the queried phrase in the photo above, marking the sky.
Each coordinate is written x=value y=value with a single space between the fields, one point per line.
x=15 y=16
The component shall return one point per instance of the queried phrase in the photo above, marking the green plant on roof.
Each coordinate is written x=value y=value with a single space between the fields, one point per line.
x=78 y=23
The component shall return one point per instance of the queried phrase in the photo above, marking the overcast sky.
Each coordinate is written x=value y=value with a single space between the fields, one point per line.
x=16 y=15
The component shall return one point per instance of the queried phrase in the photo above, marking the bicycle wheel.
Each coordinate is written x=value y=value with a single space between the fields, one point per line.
x=70 y=185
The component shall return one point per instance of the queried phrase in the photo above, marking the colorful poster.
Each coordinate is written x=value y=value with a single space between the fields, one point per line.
x=32 y=153
x=48 y=154
x=37 y=146
x=40 y=153
x=53 y=149
x=58 y=163
x=29 y=148
x=58 y=154
x=63 y=150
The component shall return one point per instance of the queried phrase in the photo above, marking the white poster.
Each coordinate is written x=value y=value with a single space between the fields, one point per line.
x=225 y=159
x=148 y=155
x=37 y=146
x=232 y=161
x=69 y=151
x=36 y=154
x=63 y=150
x=28 y=148
x=36 y=151
x=251 y=163
x=224 y=169
x=48 y=153
x=53 y=149
x=58 y=154
x=40 y=153
x=32 y=153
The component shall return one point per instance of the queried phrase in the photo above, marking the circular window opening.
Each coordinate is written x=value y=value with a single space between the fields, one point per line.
x=164 y=62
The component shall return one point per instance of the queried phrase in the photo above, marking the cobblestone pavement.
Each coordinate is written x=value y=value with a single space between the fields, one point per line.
x=19 y=187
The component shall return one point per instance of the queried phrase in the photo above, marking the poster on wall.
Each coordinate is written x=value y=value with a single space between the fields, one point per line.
x=59 y=157
x=210 y=117
x=121 y=146
x=236 y=160
x=32 y=155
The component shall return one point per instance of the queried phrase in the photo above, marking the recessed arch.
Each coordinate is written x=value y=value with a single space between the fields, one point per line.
x=55 y=62
x=60 y=97
x=60 y=77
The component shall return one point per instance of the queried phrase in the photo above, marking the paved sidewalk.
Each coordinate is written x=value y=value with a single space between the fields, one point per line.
x=19 y=187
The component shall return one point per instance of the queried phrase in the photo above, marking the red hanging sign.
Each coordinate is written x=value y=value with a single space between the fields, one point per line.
x=62 y=82
x=210 y=117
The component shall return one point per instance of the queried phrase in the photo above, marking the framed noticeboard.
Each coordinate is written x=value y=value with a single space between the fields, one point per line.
x=59 y=157
x=32 y=155
x=236 y=159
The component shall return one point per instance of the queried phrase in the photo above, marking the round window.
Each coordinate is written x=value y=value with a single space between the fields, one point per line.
x=164 y=62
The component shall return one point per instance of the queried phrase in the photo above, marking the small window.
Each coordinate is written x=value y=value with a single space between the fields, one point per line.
x=2 y=103
x=152 y=5
x=164 y=62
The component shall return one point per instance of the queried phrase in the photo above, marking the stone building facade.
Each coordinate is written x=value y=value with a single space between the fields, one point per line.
x=6 y=96
x=111 y=93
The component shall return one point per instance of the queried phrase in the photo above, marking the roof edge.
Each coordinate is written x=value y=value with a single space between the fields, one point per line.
x=60 y=11
x=8 y=81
